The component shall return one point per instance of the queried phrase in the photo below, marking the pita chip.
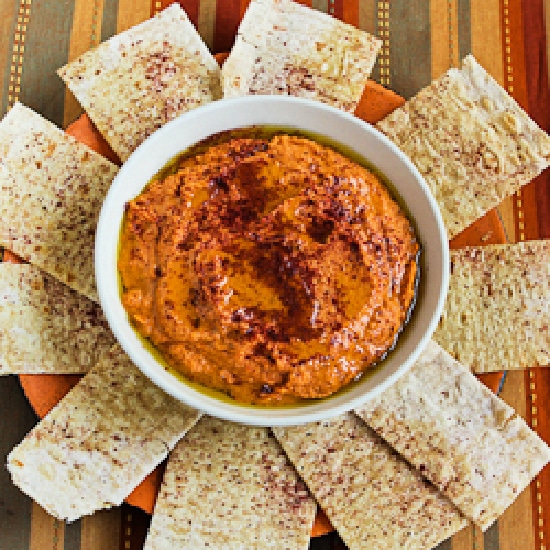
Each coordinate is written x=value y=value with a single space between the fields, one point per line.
x=470 y=140
x=228 y=486
x=373 y=497
x=497 y=312
x=468 y=442
x=111 y=430
x=46 y=327
x=138 y=80
x=284 y=48
x=51 y=191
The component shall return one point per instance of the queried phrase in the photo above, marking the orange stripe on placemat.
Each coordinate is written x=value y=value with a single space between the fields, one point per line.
x=85 y=34
x=345 y=10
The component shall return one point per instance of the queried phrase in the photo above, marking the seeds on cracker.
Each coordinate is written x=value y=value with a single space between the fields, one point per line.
x=111 y=430
x=373 y=497
x=461 y=436
x=46 y=327
x=51 y=191
x=138 y=80
x=497 y=312
x=230 y=486
x=285 y=48
x=470 y=140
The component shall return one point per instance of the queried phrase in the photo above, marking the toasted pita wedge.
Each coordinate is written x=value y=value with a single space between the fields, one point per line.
x=285 y=48
x=140 y=79
x=471 y=141
x=498 y=290
x=229 y=486
x=45 y=327
x=52 y=188
x=460 y=435
x=372 y=496
x=100 y=441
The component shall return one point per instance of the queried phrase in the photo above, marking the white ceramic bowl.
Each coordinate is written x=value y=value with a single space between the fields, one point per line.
x=185 y=131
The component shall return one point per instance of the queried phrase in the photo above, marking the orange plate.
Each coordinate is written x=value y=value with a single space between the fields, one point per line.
x=45 y=390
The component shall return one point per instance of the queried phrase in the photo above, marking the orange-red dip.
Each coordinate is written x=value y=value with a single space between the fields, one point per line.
x=273 y=269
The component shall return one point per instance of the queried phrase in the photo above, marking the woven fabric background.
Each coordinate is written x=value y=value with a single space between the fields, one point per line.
x=421 y=39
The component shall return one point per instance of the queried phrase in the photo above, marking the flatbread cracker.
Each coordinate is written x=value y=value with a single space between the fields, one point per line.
x=470 y=140
x=229 y=486
x=46 y=327
x=138 y=80
x=373 y=497
x=284 y=48
x=460 y=435
x=497 y=312
x=52 y=188
x=111 y=430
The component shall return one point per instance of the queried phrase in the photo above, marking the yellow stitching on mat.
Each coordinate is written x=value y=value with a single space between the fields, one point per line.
x=384 y=35
x=18 y=50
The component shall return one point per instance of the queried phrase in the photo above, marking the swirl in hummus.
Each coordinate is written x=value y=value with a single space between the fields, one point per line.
x=270 y=267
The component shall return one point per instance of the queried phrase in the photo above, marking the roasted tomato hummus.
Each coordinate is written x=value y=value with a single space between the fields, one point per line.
x=270 y=267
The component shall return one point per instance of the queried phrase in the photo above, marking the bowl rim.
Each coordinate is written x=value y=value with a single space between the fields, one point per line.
x=237 y=412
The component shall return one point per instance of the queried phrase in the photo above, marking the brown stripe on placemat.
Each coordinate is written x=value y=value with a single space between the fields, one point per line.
x=134 y=525
x=16 y=419
x=8 y=23
x=41 y=88
x=410 y=32
x=516 y=524
x=101 y=530
x=47 y=532
x=368 y=19
x=470 y=538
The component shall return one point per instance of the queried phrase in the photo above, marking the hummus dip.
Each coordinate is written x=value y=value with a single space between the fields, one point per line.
x=270 y=267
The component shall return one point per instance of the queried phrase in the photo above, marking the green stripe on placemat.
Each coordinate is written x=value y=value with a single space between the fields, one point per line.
x=73 y=533
x=464 y=28
x=109 y=20
x=410 y=32
x=41 y=88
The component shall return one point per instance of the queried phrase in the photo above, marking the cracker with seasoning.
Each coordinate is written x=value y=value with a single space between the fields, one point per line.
x=373 y=497
x=138 y=80
x=52 y=188
x=46 y=327
x=468 y=442
x=496 y=290
x=111 y=430
x=470 y=140
x=285 y=48
x=229 y=486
